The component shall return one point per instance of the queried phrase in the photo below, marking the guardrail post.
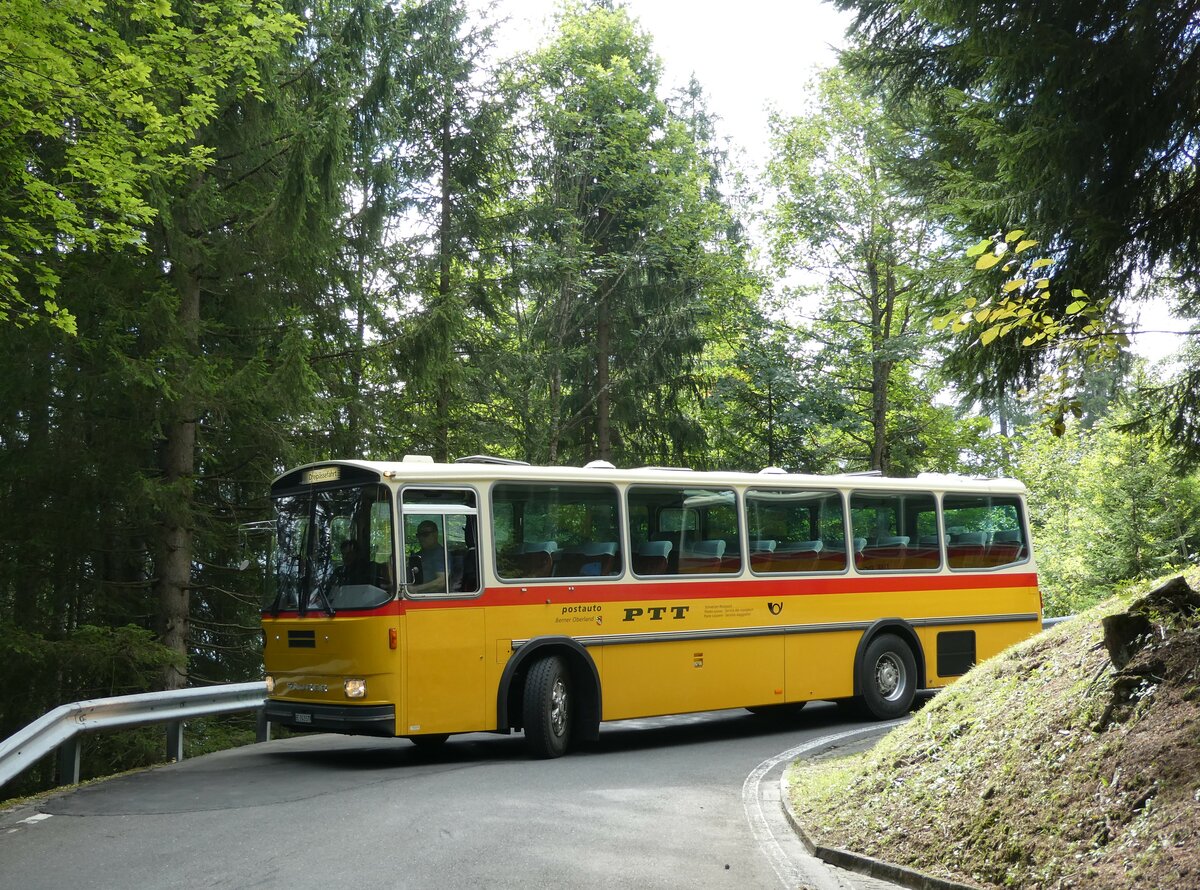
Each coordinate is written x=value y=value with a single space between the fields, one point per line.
x=68 y=762
x=262 y=731
x=175 y=740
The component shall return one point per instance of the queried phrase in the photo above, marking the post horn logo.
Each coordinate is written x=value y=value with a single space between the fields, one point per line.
x=775 y=608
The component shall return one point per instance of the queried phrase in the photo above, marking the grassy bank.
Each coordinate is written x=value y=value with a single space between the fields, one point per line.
x=1044 y=767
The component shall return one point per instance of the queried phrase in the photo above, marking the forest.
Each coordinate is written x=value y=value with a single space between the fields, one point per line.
x=240 y=235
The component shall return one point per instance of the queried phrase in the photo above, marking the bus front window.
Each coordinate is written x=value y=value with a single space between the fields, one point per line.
x=334 y=550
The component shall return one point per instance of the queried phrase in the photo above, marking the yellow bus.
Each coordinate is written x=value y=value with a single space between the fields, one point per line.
x=420 y=599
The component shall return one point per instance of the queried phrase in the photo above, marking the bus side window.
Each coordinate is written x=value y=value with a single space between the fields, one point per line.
x=796 y=531
x=556 y=530
x=892 y=526
x=691 y=530
x=441 y=541
x=984 y=531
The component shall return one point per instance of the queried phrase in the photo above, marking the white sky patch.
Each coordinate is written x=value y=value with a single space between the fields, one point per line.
x=748 y=56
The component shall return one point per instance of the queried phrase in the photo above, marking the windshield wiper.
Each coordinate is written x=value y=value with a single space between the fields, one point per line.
x=322 y=591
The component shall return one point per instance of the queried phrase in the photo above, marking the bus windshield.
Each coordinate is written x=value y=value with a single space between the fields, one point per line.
x=333 y=550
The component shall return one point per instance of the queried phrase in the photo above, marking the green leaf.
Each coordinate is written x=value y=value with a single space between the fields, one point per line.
x=987 y=261
x=1076 y=292
x=1014 y=284
x=1076 y=307
x=979 y=248
x=1042 y=263
x=1042 y=283
x=1024 y=245
x=1014 y=235
x=989 y=335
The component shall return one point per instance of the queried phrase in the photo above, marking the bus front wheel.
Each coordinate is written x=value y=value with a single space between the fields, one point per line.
x=889 y=677
x=547 y=707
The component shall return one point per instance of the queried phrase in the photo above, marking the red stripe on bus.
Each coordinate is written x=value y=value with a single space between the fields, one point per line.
x=591 y=592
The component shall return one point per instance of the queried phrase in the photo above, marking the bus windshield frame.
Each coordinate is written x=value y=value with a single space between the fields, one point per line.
x=334 y=549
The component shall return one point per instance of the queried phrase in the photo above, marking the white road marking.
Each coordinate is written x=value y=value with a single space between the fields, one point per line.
x=801 y=869
x=38 y=817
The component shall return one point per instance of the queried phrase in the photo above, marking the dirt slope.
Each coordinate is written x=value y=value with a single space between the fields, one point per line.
x=1047 y=766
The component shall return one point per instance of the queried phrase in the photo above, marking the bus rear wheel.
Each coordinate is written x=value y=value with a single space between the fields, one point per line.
x=889 y=677
x=547 y=707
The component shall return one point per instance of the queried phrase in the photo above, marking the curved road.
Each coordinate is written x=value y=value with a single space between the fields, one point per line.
x=687 y=801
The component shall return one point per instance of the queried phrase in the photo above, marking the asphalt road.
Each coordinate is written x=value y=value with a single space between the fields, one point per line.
x=665 y=802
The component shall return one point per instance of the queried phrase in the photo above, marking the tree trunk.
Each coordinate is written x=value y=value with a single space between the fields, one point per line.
x=173 y=550
x=603 y=402
x=882 y=296
x=880 y=372
x=441 y=446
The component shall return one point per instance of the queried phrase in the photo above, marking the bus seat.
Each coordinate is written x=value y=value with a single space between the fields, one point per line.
x=801 y=547
x=703 y=556
x=887 y=552
x=969 y=538
x=762 y=546
x=536 y=560
x=839 y=544
x=589 y=558
x=652 y=558
x=468 y=577
x=599 y=557
x=969 y=550
x=1006 y=546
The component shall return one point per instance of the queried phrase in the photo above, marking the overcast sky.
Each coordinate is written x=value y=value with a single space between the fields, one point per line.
x=747 y=54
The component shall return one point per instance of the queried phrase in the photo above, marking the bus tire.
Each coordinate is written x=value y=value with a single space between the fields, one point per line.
x=547 y=707
x=889 y=677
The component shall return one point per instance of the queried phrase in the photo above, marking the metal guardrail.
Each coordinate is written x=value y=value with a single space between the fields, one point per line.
x=62 y=727
x=1048 y=623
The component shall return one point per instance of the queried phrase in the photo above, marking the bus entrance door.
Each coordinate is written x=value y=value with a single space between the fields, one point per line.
x=445 y=671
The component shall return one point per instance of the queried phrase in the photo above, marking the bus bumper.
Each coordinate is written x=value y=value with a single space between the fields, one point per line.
x=377 y=720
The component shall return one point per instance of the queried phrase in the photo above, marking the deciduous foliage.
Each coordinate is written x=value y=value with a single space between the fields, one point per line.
x=1107 y=507
x=1013 y=303
x=843 y=222
x=98 y=99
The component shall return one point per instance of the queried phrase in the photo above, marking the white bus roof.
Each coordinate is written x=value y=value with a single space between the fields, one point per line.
x=419 y=469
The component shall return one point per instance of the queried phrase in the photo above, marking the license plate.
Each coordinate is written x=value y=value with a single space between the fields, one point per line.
x=304 y=718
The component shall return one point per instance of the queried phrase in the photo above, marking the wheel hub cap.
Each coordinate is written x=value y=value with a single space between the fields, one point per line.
x=558 y=707
x=889 y=676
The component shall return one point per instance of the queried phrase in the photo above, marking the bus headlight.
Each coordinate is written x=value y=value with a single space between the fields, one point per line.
x=355 y=688
x=270 y=684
